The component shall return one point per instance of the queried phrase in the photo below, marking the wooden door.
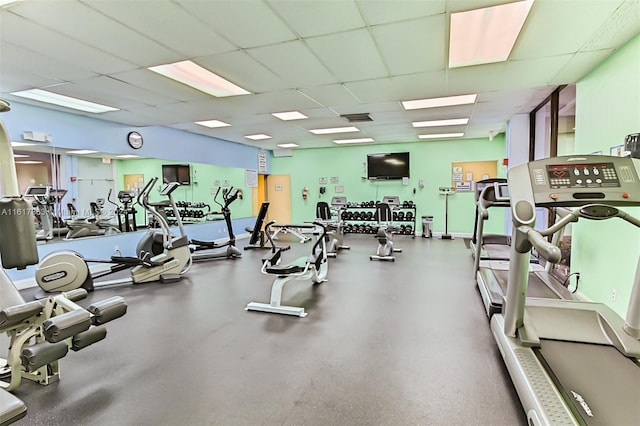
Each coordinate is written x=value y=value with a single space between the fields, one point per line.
x=279 y=197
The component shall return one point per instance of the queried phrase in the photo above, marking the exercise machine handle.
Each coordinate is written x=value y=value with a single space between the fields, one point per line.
x=547 y=250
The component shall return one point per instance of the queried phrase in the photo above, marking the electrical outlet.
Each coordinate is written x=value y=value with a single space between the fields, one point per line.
x=614 y=294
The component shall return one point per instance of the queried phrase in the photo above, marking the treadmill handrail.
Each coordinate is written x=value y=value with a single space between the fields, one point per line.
x=547 y=250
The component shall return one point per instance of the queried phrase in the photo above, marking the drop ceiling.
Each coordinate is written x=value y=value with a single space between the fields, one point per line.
x=320 y=57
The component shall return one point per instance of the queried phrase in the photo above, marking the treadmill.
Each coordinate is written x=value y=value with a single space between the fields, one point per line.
x=492 y=274
x=492 y=246
x=571 y=362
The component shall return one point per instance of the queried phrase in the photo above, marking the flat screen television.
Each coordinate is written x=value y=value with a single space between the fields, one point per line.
x=180 y=173
x=393 y=165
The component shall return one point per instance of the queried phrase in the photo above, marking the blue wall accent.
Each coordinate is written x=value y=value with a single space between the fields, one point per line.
x=81 y=132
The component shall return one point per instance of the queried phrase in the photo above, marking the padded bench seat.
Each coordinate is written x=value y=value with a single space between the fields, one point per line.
x=11 y=408
x=295 y=267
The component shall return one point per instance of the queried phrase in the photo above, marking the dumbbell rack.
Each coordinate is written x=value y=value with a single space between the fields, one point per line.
x=359 y=218
x=190 y=212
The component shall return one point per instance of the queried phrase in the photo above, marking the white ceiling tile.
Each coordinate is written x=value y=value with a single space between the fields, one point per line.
x=413 y=46
x=77 y=20
x=159 y=84
x=53 y=46
x=200 y=40
x=241 y=69
x=552 y=27
x=313 y=18
x=382 y=12
x=293 y=63
x=351 y=56
x=89 y=90
x=579 y=66
x=244 y=23
x=333 y=95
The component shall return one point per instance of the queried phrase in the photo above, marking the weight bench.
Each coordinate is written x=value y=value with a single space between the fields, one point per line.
x=41 y=332
x=314 y=268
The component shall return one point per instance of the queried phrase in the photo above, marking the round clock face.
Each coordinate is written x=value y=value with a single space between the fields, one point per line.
x=135 y=140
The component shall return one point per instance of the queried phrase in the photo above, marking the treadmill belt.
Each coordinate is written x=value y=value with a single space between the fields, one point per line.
x=495 y=252
x=601 y=385
x=536 y=287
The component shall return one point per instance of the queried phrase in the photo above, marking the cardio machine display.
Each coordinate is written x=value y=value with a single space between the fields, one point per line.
x=591 y=175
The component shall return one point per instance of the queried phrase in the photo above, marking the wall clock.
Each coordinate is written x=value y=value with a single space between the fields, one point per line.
x=135 y=140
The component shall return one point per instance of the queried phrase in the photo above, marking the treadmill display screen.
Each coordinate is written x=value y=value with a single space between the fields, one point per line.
x=587 y=175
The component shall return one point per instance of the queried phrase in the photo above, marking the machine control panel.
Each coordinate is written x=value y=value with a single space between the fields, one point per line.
x=572 y=181
x=585 y=175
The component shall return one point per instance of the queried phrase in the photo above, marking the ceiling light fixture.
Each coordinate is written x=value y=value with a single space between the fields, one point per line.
x=7 y=3
x=440 y=102
x=20 y=156
x=258 y=137
x=212 y=124
x=65 y=101
x=486 y=35
x=288 y=145
x=290 y=115
x=127 y=156
x=81 y=152
x=334 y=130
x=18 y=144
x=192 y=74
x=349 y=141
x=28 y=162
x=437 y=123
x=442 y=136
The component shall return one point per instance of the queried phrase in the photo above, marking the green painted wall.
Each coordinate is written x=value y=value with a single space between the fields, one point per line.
x=430 y=161
x=202 y=185
x=607 y=109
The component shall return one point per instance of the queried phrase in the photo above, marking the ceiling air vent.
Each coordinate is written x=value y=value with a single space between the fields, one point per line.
x=357 y=118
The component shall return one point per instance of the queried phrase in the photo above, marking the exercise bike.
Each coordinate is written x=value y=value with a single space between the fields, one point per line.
x=335 y=231
x=208 y=249
x=385 y=231
x=67 y=270
x=96 y=225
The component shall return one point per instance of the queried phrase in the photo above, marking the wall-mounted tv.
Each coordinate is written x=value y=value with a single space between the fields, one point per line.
x=180 y=173
x=388 y=166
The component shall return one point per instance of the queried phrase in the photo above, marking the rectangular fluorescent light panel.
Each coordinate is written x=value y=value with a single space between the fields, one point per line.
x=258 y=137
x=441 y=136
x=21 y=144
x=20 y=156
x=28 y=162
x=486 y=35
x=82 y=152
x=192 y=74
x=334 y=130
x=437 y=123
x=290 y=115
x=65 y=101
x=348 y=141
x=440 y=102
x=127 y=156
x=213 y=123
x=288 y=145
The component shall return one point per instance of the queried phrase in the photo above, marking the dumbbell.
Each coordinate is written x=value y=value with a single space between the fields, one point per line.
x=409 y=215
x=400 y=215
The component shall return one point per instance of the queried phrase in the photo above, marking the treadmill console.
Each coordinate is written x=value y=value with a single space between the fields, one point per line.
x=501 y=191
x=573 y=181
x=392 y=200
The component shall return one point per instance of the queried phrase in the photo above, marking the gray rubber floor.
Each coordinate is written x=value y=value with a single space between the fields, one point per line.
x=402 y=343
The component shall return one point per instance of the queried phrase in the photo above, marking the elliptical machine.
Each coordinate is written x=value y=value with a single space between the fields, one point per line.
x=44 y=200
x=385 y=230
x=209 y=250
x=66 y=270
x=126 y=213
